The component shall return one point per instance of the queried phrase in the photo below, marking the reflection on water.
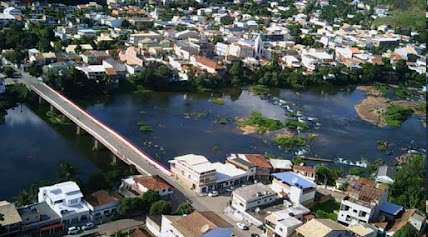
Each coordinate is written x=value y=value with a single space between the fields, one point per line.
x=188 y=123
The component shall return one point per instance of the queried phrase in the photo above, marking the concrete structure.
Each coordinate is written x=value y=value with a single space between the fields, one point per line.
x=322 y=228
x=142 y=184
x=153 y=224
x=252 y=196
x=194 y=172
x=40 y=220
x=295 y=187
x=11 y=221
x=257 y=166
x=283 y=223
x=66 y=200
x=197 y=224
x=363 y=230
x=361 y=206
x=102 y=206
x=385 y=174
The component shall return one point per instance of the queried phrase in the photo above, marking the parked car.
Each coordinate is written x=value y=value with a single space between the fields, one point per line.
x=242 y=226
x=213 y=194
x=88 y=226
x=73 y=230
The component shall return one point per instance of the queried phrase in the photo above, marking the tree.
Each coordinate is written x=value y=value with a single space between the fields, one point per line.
x=150 y=197
x=160 y=207
x=408 y=188
x=185 y=208
x=128 y=206
x=67 y=171
x=9 y=71
x=407 y=231
x=326 y=175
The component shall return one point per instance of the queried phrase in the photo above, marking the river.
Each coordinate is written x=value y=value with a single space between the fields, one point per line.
x=31 y=149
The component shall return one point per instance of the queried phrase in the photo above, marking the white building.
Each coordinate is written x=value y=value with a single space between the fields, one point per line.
x=252 y=196
x=102 y=206
x=93 y=72
x=361 y=206
x=67 y=201
x=298 y=189
x=283 y=223
x=195 y=172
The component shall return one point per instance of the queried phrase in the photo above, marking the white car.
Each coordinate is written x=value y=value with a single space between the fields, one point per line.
x=88 y=226
x=213 y=194
x=242 y=226
x=73 y=230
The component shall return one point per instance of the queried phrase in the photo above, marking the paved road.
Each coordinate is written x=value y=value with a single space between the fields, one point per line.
x=122 y=148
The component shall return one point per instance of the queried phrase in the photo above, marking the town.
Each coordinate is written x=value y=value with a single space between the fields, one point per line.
x=54 y=53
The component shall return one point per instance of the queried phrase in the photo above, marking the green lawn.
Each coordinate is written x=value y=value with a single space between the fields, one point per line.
x=326 y=209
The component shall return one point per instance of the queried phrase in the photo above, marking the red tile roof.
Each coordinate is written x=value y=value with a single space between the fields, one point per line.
x=100 y=198
x=154 y=183
x=208 y=62
x=259 y=161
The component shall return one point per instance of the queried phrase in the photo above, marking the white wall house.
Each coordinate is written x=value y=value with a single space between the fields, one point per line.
x=298 y=189
x=252 y=196
x=67 y=201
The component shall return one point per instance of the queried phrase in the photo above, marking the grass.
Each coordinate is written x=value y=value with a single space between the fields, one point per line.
x=294 y=124
x=395 y=115
x=326 y=209
x=263 y=124
x=414 y=19
x=290 y=142
x=54 y=118
x=217 y=101
x=382 y=88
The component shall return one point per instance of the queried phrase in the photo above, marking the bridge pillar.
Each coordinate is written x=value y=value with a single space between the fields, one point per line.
x=96 y=145
x=114 y=159
x=40 y=100
x=51 y=108
x=79 y=130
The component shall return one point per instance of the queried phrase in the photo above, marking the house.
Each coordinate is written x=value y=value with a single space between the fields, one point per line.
x=261 y=165
x=114 y=68
x=94 y=57
x=206 y=64
x=252 y=196
x=11 y=221
x=413 y=217
x=197 y=224
x=296 y=188
x=153 y=224
x=184 y=49
x=194 y=172
x=280 y=165
x=40 y=220
x=284 y=222
x=385 y=174
x=93 y=72
x=228 y=175
x=322 y=228
x=154 y=183
x=361 y=205
x=102 y=206
x=306 y=171
x=363 y=230
x=66 y=200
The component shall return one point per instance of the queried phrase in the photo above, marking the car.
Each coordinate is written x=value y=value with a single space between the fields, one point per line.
x=73 y=230
x=88 y=226
x=213 y=194
x=242 y=226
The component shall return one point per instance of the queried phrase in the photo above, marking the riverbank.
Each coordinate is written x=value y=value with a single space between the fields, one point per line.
x=376 y=108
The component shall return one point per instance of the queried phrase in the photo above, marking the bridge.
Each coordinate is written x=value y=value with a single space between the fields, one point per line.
x=120 y=147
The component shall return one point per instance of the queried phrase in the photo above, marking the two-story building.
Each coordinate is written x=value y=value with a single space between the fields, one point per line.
x=252 y=196
x=102 y=206
x=295 y=187
x=66 y=200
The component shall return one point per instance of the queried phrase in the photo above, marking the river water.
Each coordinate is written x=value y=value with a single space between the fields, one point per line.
x=31 y=148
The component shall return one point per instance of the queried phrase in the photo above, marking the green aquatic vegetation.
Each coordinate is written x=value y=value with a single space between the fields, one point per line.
x=395 y=115
x=263 y=124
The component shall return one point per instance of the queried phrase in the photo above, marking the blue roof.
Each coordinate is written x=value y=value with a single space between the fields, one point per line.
x=219 y=232
x=294 y=179
x=390 y=208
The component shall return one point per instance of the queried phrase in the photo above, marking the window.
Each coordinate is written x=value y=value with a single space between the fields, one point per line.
x=362 y=214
